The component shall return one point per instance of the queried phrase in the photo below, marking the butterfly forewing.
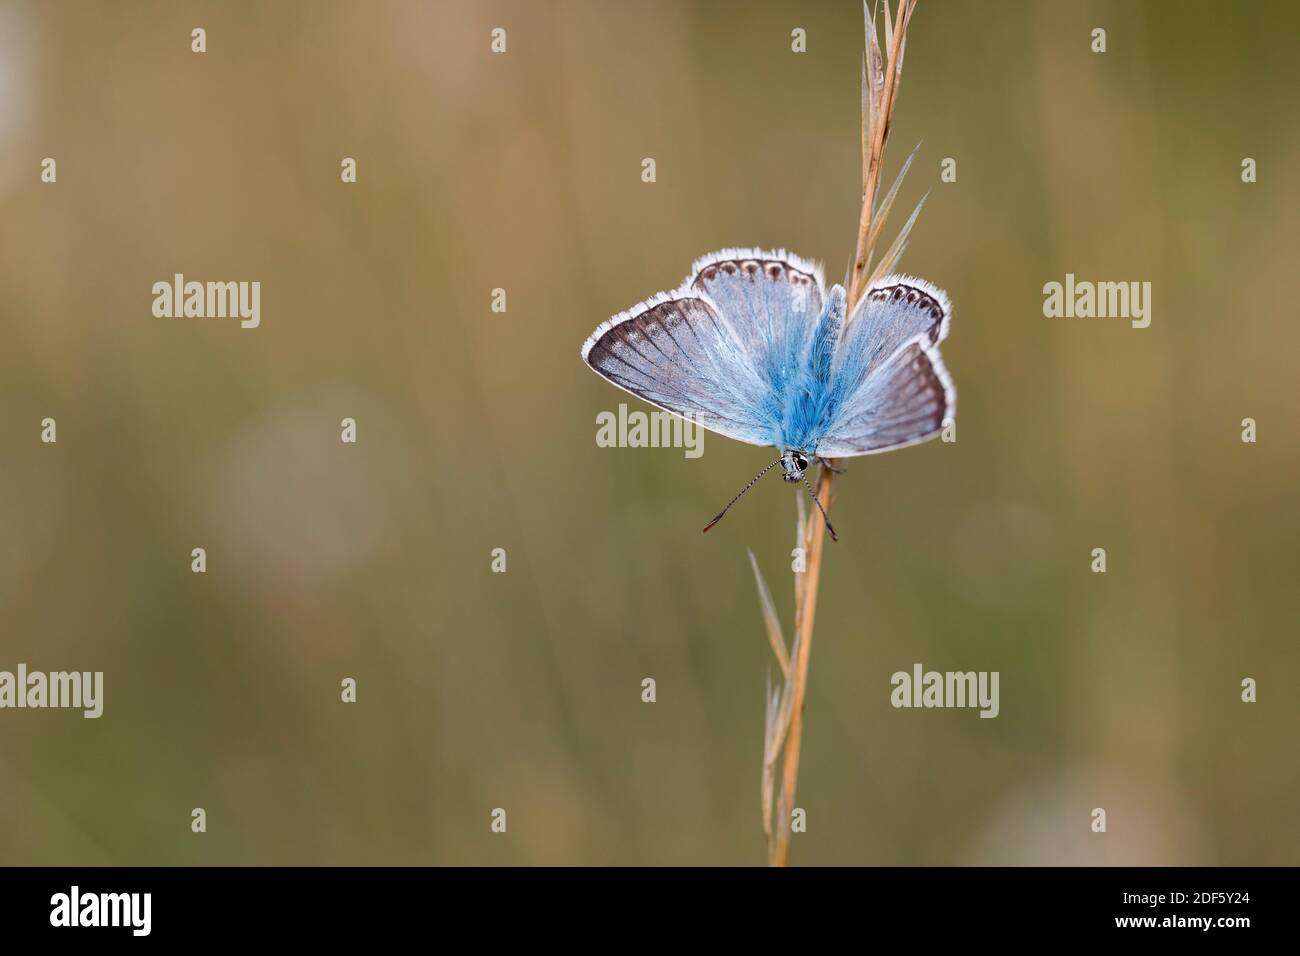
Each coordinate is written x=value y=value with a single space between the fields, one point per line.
x=903 y=402
x=679 y=354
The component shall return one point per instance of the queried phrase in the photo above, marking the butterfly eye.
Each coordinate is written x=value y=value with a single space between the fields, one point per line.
x=800 y=461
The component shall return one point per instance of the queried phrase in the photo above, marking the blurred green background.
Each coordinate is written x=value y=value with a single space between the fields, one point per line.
x=477 y=431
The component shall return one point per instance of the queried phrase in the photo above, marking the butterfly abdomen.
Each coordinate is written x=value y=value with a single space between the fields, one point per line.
x=807 y=411
x=804 y=413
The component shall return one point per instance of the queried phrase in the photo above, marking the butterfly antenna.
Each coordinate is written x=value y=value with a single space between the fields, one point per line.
x=742 y=491
x=813 y=495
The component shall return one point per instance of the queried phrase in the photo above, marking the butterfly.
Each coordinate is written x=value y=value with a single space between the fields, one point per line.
x=753 y=346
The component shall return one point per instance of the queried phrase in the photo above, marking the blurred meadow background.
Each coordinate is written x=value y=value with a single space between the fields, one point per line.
x=476 y=431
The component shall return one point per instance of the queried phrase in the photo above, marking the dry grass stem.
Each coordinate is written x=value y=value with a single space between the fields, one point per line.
x=774 y=635
x=784 y=706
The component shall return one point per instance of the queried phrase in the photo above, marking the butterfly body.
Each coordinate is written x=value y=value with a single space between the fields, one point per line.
x=809 y=396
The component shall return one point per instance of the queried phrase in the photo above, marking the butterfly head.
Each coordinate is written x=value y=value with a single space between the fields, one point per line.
x=794 y=463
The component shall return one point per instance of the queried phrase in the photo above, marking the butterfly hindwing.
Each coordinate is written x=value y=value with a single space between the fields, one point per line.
x=771 y=299
x=893 y=311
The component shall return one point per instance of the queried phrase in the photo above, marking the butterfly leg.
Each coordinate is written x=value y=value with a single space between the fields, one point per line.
x=831 y=467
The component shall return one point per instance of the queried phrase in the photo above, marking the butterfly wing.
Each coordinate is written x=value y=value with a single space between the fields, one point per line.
x=721 y=348
x=890 y=387
x=771 y=299
x=677 y=352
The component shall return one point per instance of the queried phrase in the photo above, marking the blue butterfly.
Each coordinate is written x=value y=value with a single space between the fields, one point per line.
x=753 y=347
